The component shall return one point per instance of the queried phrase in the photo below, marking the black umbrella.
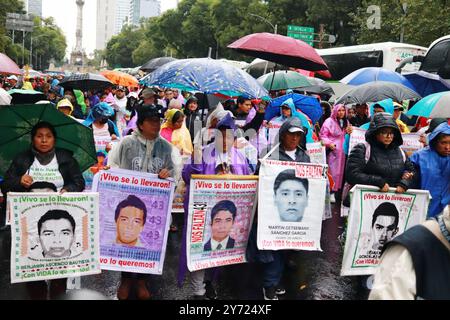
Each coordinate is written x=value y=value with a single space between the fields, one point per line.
x=85 y=82
x=20 y=96
x=155 y=63
x=318 y=86
x=377 y=91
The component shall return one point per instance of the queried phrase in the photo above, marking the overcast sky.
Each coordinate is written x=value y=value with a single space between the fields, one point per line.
x=65 y=14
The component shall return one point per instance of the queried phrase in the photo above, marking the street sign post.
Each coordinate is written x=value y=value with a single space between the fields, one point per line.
x=19 y=22
x=305 y=34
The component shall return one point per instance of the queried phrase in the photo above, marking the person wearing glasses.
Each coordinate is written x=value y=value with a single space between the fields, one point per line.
x=385 y=165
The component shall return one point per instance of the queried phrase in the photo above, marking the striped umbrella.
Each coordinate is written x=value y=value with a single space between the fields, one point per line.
x=436 y=105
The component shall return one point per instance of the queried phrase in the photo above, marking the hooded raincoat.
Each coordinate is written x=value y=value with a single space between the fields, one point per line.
x=332 y=133
x=180 y=138
x=433 y=172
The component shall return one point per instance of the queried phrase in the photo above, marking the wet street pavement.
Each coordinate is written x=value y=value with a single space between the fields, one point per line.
x=309 y=276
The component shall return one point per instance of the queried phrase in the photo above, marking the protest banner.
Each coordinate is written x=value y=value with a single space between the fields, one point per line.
x=291 y=202
x=358 y=136
x=411 y=143
x=53 y=235
x=101 y=142
x=374 y=219
x=316 y=152
x=134 y=221
x=221 y=210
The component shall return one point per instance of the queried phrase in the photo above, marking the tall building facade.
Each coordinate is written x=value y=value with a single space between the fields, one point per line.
x=106 y=14
x=143 y=9
x=33 y=7
x=122 y=14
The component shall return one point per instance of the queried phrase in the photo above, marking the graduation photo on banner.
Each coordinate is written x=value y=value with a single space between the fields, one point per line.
x=53 y=235
x=135 y=210
x=376 y=218
x=221 y=210
x=291 y=202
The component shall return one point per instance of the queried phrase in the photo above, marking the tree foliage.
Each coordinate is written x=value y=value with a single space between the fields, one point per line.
x=197 y=25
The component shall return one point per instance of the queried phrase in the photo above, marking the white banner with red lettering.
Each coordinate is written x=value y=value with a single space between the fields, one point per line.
x=221 y=210
x=376 y=218
x=291 y=202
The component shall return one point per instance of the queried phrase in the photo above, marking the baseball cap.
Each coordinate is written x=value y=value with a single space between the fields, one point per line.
x=13 y=77
x=122 y=88
x=294 y=129
x=398 y=106
x=147 y=93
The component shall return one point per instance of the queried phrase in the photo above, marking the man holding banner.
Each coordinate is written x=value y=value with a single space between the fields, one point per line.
x=220 y=157
x=143 y=151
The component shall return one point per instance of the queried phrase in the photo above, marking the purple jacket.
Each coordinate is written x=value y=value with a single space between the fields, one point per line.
x=239 y=166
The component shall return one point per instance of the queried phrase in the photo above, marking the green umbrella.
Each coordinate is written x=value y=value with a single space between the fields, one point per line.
x=17 y=121
x=283 y=80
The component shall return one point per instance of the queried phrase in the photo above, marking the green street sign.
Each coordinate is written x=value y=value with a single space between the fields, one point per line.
x=293 y=28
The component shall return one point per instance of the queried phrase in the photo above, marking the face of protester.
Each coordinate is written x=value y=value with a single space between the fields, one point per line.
x=178 y=124
x=120 y=94
x=221 y=225
x=245 y=107
x=291 y=140
x=224 y=140
x=130 y=224
x=385 y=136
x=175 y=93
x=169 y=95
x=193 y=106
x=150 y=128
x=341 y=113
x=44 y=140
x=396 y=114
x=377 y=110
x=291 y=200
x=443 y=146
x=65 y=110
x=362 y=110
x=351 y=113
x=383 y=231
x=56 y=238
x=161 y=94
x=286 y=111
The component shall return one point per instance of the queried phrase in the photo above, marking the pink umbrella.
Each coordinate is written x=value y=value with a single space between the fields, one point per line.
x=280 y=49
x=7 y=66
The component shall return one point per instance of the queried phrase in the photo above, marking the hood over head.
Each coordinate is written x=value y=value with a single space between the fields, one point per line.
x=383 y=120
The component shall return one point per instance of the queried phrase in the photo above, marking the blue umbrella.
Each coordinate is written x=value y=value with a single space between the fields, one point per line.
x=205 y=75
x=365 y=75
x=308 y=105
x=426 y=83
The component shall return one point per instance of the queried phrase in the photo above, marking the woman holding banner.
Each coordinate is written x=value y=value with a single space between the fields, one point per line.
x=380 y=162
x=43 y=164
x=218 y=158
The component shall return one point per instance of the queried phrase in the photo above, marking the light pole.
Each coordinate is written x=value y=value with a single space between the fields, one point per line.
x=275 y=27
x=31 y=47
x=405 y=10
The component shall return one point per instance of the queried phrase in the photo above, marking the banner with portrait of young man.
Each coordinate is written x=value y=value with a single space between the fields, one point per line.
x=375 y=218
x=291 y=204
x=221 y=210
x=135 y=209
x=53 y=235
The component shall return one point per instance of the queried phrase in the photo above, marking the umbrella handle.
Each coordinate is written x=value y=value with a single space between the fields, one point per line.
x=273 y=77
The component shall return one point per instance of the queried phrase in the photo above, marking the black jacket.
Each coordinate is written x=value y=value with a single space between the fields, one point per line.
x=68 y=167
x=385 y=165
x=191 y=118
x=254 y=124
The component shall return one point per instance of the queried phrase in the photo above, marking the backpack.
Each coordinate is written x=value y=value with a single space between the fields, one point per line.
x=347 y=186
